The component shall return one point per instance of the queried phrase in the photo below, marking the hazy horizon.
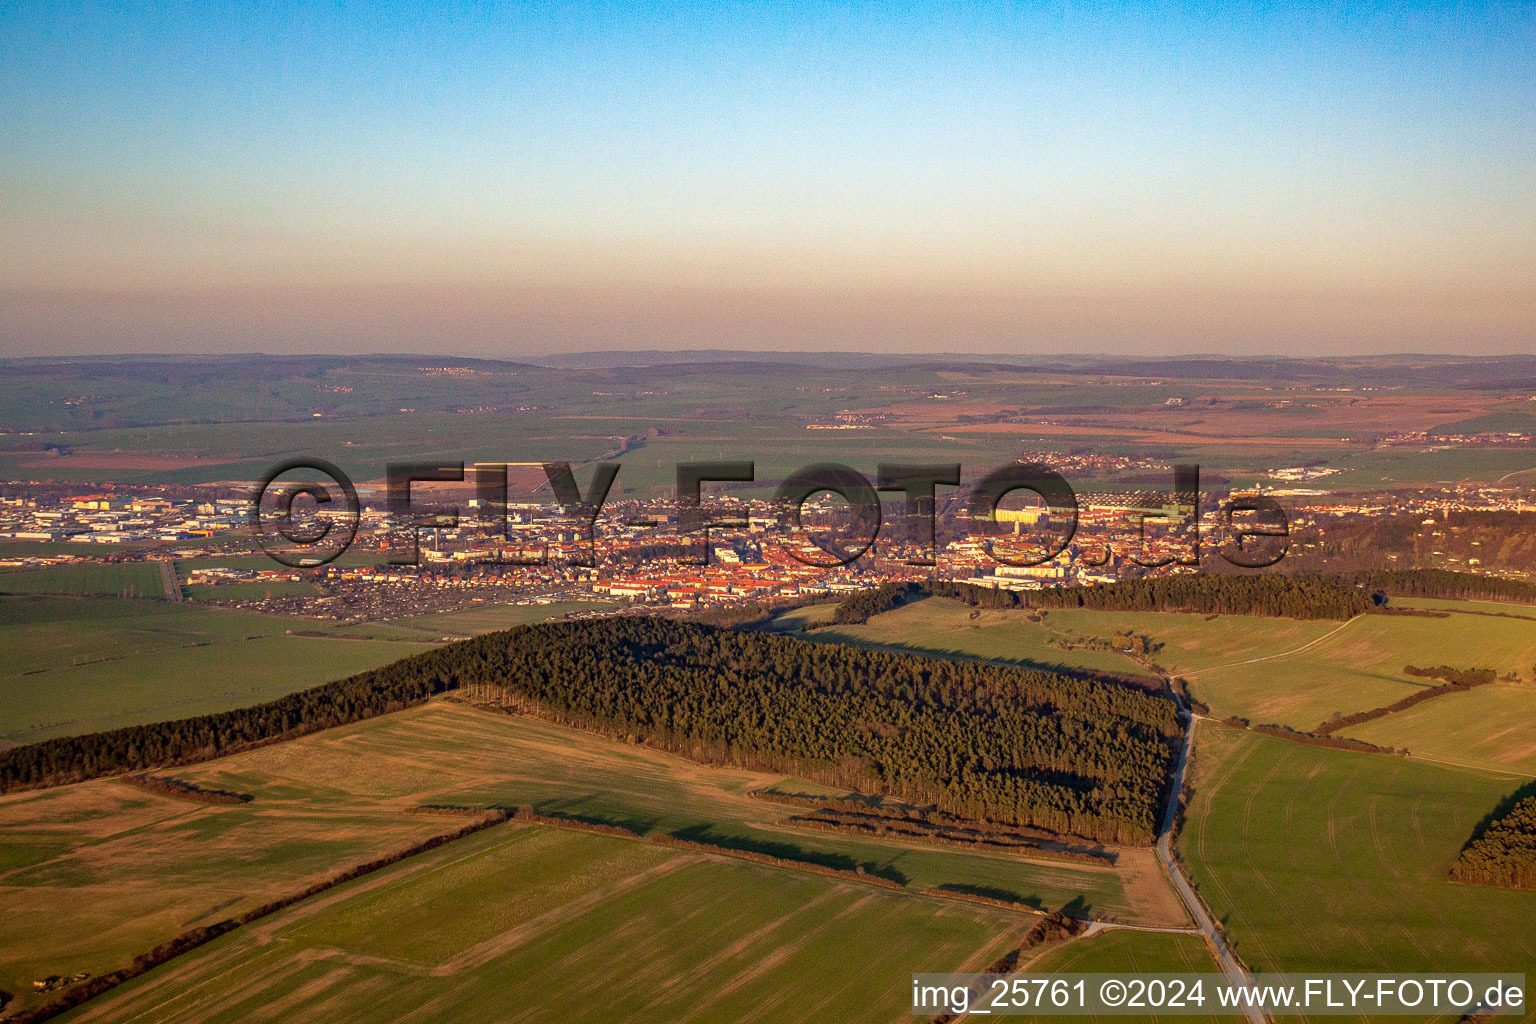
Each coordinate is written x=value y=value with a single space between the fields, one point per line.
x=1024 y=182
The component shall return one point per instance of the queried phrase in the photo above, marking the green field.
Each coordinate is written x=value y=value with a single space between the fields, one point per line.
x=489 y=618
x=533 y=923
x=1360 y=665
x=71 y=665
x=77 y=665
x=945 y=627
x=254 y=590
x=1196 y=643
x=1191 y=643
x=131 y=579
x=93 y=874
x=1286 y=671
x=155 y=866
x=1491 y=726
x=1127 y=952
x=807 y=616
x=1388 y=468
x=447 y=754
x=1124 y=950
x=1326 y=860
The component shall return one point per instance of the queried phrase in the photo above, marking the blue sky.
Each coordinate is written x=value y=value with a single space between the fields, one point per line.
x=506 y=179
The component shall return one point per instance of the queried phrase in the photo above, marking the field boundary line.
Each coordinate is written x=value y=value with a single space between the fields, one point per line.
x=1271 y=657
x=1474 y=767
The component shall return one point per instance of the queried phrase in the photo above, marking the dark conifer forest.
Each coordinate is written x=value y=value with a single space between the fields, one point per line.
x=978 y=741
x=1504 y=853
x=1296 y=597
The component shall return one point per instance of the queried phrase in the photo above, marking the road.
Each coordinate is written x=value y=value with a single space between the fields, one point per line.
x=168 y=578
x=1192 y=902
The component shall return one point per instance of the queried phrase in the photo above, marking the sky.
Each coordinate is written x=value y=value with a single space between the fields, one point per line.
x=507 y=180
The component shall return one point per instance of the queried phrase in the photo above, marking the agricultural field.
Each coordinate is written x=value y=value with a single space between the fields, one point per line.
x=74 y=664
x=1126 y=950
x=1285 y=671
x=1191 y=643
x=1123 y=951
x=155 y=866
x=809 y=616
x=130 y=579
x=1492 y=727
x=489 y=618
x=253 y=590
x=185 y=567
x=448 y=754
x=944 y=627
x=499 y=925
x=342 y=796
x=1380 y=469
x=1359 y=665
x=1197 y=643
x=1327 y=860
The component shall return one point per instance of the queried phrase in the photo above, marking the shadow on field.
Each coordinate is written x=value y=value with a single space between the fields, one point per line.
x=570 y=809
x=1502 y=808
x=993 y=893
x=786 y=851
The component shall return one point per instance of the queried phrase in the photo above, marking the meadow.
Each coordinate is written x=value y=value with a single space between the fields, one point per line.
x=1360 y=665
x=1327 y=860
x=531 y=923
x=488 y=618
x=944 y=627
x=1125 y=950
x=253 y=590
x=73 y=665
x=1492 y=727
x=155 y=866
x=1267 y=670
x=129 y=579
x=447 y=753
x=1191 y=643
x=1122 y=951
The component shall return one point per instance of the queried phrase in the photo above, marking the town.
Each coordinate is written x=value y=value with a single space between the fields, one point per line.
x=634 y=553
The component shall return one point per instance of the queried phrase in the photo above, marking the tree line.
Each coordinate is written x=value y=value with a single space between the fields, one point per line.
x=1457 y=680
x=866 y=603
x=1443 y=583
x=181 y=789
x=1312 y=739
x=161 y=744
x=1302 y=597
x=1504 y=853
x=1309 y=596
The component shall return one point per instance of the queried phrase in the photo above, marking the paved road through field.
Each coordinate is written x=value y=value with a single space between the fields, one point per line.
x=168 y=580
x=1192 y=902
